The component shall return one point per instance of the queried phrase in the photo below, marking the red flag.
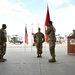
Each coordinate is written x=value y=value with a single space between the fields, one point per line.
x=26 y=35
x=33 y=34
x=46 y=23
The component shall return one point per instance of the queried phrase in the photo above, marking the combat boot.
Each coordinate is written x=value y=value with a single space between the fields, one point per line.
x=53 y=59
x=38 y=55
x=2 y=59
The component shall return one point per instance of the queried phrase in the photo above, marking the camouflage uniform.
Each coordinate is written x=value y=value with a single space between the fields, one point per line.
x=3 y=40
x=73 y=35
x=39 y=39
x=52 y=39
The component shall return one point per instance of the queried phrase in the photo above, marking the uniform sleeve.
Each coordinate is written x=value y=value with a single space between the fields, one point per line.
x=0 y=36
x=34 y=37
x=4 y=36
x=43 y=38
x=48 y=30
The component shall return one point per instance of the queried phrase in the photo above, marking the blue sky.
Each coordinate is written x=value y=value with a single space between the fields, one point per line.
x=34 y=6
x=17 y=13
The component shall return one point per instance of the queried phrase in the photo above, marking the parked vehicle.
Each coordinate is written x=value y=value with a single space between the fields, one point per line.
x=60 y=39
x=15 y=39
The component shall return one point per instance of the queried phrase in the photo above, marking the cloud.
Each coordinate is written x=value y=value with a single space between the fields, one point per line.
x=63 y=19
x=57 y=2
x=15 y=16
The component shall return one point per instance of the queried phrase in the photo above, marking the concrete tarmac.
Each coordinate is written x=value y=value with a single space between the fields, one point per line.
x=22 y=60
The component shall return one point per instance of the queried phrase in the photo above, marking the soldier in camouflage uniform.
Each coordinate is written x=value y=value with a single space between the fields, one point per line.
x=3 y=40
x=39 y=39
x=52 y=39
x=73 y=34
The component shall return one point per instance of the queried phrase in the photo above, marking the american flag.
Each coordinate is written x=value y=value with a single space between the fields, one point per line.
x=26 y=35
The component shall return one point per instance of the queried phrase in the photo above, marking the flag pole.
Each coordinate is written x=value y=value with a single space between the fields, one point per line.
x=46 y=24
x=38 y=25
x=45 y=41
x=31 y=36
x=25 y=35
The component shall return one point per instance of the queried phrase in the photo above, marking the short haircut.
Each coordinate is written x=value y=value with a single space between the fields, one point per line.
x=3 y=25
x=50 y=22
x=38 y=28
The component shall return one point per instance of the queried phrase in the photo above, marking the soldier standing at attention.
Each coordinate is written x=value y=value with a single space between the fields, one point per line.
x=3 y=40
x=39 y=38
x=52 y=39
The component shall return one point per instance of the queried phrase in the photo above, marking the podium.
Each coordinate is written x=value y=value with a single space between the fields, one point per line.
x=71 y=44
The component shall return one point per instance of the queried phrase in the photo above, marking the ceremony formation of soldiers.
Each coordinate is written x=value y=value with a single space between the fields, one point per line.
x=39 y=39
